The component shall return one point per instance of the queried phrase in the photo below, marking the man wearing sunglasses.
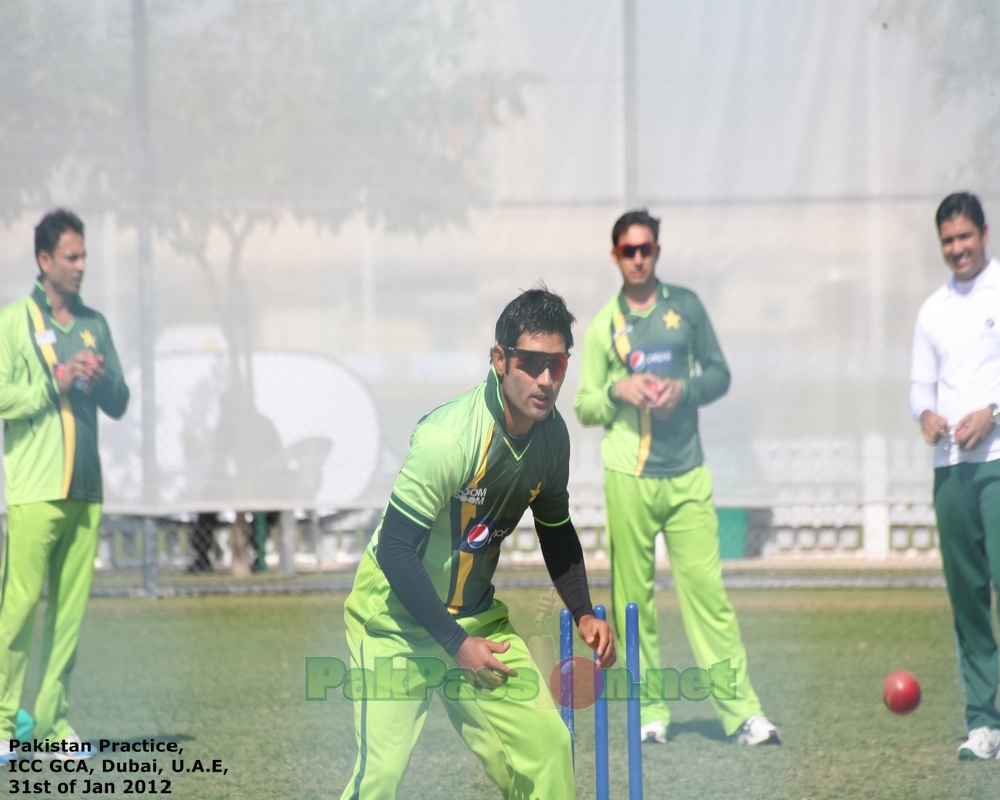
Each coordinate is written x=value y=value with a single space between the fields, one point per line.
x=639 y=381
x=423 y=614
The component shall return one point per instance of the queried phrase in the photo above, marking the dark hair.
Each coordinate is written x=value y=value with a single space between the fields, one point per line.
x=535 y=311
x=630 y=218
x=961 y=204
x=52 y=226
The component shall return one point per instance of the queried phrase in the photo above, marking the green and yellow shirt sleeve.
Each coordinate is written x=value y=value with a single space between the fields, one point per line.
x=112 y=394
x=713 y=382
x=600 y=370
x=25 y=387
x=430 y=475
x=433 y=471
x=37 y=465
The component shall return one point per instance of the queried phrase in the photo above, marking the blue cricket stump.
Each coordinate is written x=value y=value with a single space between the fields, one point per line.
x=601 y=734
x=566 y=674
x=601 y=703
x=634 y=737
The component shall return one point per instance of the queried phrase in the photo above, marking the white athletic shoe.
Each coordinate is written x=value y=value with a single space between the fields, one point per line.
x=653 y=732
x=982 y=743
x=6 y=754
x=71 y=753
x=757 y=730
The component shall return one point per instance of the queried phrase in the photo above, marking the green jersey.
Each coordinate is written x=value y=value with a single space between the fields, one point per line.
x=50 y=438
x=670 y=340
x=468 y=483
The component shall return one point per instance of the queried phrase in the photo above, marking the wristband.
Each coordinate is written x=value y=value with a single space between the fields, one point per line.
x=996 y=413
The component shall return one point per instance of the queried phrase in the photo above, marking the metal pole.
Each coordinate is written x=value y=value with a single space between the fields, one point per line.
x=367 y=286
x=876 y=313
x=630 y=98
x=317 y=539
x=147 y=306
x=289 y=536
x=150 y=550
x=260 y=536
x=601 y=732
x=566 y=674
x=634 y=740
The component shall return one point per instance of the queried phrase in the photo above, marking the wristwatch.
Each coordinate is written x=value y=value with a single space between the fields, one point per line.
x=996 y=413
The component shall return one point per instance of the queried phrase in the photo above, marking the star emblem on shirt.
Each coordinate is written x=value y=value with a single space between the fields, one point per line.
x=534 y=493
x=88 y=339
x=673 y=319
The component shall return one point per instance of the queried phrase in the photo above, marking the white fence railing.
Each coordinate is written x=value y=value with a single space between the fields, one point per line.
x=835 y=497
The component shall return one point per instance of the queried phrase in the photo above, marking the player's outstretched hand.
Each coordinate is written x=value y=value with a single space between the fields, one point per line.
x=476 y=654
x=599 y=638
x=973 y=428
x=933 y=426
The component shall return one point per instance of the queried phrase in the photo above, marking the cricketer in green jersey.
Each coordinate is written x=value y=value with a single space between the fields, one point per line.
x=423 y=593
x=640 y=380
x=58 y=365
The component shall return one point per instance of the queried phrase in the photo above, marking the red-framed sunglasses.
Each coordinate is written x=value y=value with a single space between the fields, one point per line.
x=629 y=250
x=534 y=363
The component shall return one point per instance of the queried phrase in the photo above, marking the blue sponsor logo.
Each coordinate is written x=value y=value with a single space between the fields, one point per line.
x=479 y=536
x=640 y=360
x=659 y=357
x=487 y=534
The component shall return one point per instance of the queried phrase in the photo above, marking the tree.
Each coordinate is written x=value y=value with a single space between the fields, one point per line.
x=318 y=108
x=65 y=91
x=256 y=109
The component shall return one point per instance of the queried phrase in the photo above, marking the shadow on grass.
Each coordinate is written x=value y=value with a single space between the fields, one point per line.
x=705 y=728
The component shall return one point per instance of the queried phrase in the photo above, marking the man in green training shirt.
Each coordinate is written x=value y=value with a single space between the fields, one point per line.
x=58 y=365
x=639 y=380
x=422 y=612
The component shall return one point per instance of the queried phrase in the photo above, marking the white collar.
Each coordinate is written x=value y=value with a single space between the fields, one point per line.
x=989 y=277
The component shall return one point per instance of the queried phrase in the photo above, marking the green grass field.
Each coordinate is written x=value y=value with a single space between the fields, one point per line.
x=224 y=677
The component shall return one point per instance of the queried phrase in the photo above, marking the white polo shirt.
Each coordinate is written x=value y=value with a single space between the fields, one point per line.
x=956 y=359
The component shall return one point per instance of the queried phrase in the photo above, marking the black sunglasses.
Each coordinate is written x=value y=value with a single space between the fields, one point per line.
x=534 y=363
x=629 y=250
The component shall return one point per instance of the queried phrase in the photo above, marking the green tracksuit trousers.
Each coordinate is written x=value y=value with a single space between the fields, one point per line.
x=637 y=510
x=967 y=502
x=57 y=540
x=515 y=730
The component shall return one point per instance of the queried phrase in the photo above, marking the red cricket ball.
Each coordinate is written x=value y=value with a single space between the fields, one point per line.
x=575 y=683
x=901 y=692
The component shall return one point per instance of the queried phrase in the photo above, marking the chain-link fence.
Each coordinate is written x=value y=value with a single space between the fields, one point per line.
x=329 y=205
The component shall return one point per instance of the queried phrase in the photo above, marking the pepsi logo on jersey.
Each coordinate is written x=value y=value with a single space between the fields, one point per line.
x=488 y=532
x=638 y=360
x=479 y=536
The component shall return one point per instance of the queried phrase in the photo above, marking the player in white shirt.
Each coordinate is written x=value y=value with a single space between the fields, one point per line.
x=954 y=394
